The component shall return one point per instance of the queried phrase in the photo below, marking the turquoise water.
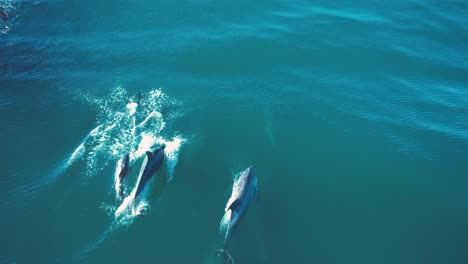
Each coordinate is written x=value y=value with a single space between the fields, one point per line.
x=352 y=112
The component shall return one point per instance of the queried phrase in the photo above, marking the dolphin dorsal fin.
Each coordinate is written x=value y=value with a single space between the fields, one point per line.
x=149 y=153
x=234 y=205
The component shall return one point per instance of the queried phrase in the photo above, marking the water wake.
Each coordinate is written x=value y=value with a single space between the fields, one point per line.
x=126 y=126
x=89 y=249
x=33 y=188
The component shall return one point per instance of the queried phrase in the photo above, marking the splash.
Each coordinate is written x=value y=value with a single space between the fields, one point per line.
x=146 y=143
x=172 y=153
x=124 y=127
x=132 y=107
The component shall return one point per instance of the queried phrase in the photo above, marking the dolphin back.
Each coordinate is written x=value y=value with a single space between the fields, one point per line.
x=124 y=166
x=154 y=161
x=243 y=190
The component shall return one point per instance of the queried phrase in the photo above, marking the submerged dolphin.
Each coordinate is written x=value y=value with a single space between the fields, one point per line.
x=3 y=15
x=123 y=163
x=123 y=167
x=243 y=190
x=152 y=164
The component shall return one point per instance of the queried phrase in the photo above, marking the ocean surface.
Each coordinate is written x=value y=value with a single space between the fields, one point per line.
x=353 y=113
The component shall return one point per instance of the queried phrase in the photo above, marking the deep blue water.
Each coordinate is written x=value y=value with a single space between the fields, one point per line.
x=353 y=113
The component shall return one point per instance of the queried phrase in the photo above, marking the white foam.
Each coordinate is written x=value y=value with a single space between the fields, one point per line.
x=172 y=153
x=132 y=107
x=146 y=143
x=117 y=182
x=126 y=202
x=154 y=115
x=131 y=207
x=140 y=208
x=95 y=131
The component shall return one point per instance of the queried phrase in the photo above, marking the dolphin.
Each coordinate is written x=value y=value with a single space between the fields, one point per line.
x=123 y=163
x=243 y=190
x=122 y=170
x=3 y=15
x=154 y=160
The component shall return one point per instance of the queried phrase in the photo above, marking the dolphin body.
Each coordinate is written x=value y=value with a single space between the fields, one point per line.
x=3 y=15
x=123 y=164
x=123 y=169
x=243 y=190
x=152 y=163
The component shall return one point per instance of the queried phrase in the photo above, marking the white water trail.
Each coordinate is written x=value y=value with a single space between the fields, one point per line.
x=155 y=114
x=80 y=150
x=77 y=153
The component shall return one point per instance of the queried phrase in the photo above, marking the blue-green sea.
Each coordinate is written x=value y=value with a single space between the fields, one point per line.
x=354 y=115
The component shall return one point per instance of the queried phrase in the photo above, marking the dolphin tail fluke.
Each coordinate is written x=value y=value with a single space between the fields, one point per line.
x=226 y=237
x=224 y=253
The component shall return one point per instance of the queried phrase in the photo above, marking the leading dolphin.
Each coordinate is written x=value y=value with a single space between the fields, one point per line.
x=243 y=190
x=152 y=163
